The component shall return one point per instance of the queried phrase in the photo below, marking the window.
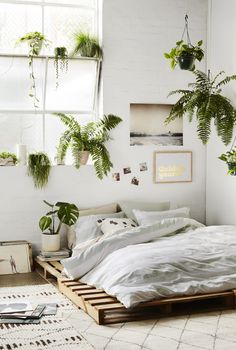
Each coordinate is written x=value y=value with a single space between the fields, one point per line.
x=20 y=121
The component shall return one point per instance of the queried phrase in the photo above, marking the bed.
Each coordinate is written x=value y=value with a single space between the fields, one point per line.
x=158 y=263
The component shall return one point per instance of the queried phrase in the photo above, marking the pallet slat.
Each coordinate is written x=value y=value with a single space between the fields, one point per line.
x=105 y=309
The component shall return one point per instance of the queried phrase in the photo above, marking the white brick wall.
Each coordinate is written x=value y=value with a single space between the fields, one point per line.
x=135 y=34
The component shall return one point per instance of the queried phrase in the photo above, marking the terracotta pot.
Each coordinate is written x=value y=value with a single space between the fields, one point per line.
x=84 y=157
x=50 y=243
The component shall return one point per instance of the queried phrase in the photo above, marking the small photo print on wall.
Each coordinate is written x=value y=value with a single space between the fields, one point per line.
x=135 y=181
x=116 y=176
x=143 y=166
x=147 y=126
x=127 y=170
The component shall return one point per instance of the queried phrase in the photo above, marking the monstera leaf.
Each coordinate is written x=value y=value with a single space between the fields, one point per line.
x=44 y=223
x=67 y=213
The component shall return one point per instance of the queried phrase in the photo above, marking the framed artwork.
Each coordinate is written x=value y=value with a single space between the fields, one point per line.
x=147 y=126
x=172 y=166
x=14 y=258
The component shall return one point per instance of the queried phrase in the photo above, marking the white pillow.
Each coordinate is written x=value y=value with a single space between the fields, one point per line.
x=149 y=217
x=110 y=226
x=86 y=227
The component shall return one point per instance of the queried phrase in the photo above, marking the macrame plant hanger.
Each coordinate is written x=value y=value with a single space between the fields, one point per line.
x=186 y=30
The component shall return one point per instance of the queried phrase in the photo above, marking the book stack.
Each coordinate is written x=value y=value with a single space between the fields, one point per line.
x=54 y=256
x=22 y=312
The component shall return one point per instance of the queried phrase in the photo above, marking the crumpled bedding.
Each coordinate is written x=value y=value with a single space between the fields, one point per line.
x=172 y=257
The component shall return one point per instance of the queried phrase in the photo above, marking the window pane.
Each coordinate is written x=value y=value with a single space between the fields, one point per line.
x=76 y=87
x=25 y=129
x=15 y=83
x=15 y=21
x=90 y=3
x=62 y=23
x=53 y=130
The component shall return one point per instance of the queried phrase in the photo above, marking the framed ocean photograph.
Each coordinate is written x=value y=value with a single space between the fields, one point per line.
x=147 y=126
x=172 y=166
x=14 y=258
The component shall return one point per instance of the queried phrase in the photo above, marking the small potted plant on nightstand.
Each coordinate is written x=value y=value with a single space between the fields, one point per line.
x=230 y=158
x=51 y=223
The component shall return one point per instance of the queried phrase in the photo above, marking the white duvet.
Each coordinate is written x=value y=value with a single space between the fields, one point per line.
x=173 y=257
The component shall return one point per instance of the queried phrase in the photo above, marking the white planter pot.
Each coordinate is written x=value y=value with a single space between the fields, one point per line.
x=84 y=157
x=6 y=162
x=50 y=243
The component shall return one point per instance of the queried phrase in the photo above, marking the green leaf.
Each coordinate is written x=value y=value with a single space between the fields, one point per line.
x=49 y=204
x=68 y=214
x=44 y=223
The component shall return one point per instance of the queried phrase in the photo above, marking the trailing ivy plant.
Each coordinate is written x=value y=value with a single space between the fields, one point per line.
x=90 y=137
x=39 y=167
x=36 y=41
x=60 y=62
x=205 y=101
x=87 y=45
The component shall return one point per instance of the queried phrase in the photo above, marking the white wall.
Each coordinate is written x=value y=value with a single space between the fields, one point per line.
x=221 y=189
x=135 y=35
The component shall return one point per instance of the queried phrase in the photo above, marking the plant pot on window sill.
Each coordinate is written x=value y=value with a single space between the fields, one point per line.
x=186 y=61
x=50 y=243
x=7 y=162
x=232 y=169
x=84 y=156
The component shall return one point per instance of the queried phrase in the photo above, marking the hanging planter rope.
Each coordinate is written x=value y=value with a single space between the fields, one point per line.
x=185 y=54
x=230 y=158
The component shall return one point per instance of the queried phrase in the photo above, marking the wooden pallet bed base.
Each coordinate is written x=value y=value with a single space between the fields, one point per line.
x=105 y=309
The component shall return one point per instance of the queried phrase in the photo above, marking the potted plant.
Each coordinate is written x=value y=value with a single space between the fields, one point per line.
x=185 y=55
x=35 y=41
x=88 y=139
x=50 y=224
x=205 y=101
x=87 y=45
x=7 y=159
x=39 y=167
x=230 y=158
x=60 y=62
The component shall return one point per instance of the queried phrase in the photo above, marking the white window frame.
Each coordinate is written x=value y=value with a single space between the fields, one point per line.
x=43 y=111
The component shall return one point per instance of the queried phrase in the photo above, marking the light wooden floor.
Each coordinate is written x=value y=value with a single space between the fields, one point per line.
x=21 y=279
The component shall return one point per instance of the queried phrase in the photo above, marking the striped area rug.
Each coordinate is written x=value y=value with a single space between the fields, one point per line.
x=53 y=332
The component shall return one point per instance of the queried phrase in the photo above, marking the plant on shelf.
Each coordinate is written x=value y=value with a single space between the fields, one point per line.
x=185 y=55
x=50 y=224
x=35 y=41
x=7 y=159
x=230 y=158
x=88 y=139
x=60 y=62
x=39 y=167
x=87 y=45
x=205 y=101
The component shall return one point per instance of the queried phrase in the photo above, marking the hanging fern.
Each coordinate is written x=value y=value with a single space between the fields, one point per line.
x=39 y=167
x=206 y=103
x=90 y=137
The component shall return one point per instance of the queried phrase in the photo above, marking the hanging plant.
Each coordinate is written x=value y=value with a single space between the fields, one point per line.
x=36 y=41
x=205 y=101
x=87 y=45
x=60 y=62
x=39 y=167
x=230 y=159
x=184 y=53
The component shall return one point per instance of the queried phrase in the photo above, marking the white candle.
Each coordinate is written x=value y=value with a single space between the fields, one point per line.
x=21 y=153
